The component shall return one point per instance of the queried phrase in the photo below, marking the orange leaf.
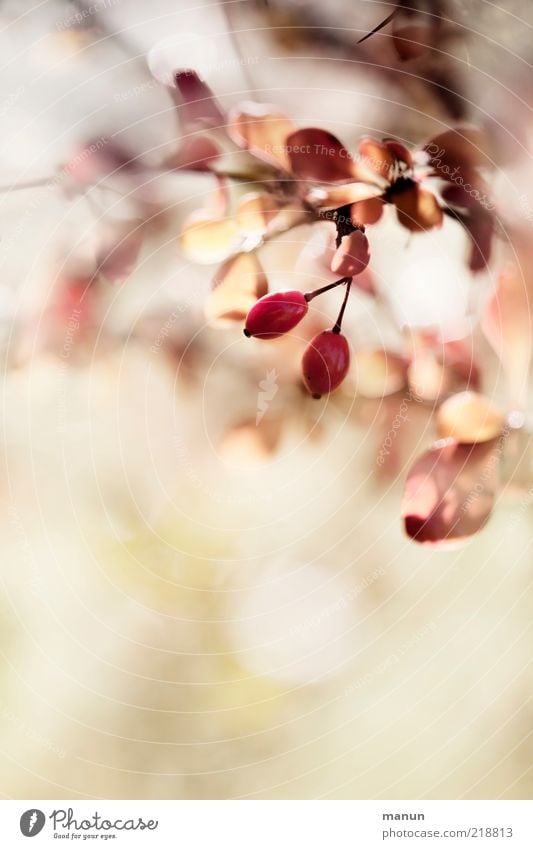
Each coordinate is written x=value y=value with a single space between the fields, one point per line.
x=417 y=209
x=237 y=285
x=206 y=240
x=263 y=130
x=469 y=417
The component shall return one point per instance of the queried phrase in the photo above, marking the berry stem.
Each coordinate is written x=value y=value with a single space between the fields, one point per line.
x=310 y=295
x=338 y=324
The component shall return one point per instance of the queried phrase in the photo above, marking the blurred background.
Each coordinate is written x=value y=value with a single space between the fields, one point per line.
x=206 y=590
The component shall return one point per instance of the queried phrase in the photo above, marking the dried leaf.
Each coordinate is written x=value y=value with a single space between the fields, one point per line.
x=367 y=211
x=263 y=130
x=417 y=209
x=450 y=491
x=317 y=155
x=377 y=157
x=462 y=149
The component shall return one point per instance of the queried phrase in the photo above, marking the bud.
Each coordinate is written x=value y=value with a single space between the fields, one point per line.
x=325 y=363
x=352 y=256
x=276 y=314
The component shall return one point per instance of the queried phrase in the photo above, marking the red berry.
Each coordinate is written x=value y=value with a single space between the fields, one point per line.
x=352 y=256
x=276 y=314
x=325 y=362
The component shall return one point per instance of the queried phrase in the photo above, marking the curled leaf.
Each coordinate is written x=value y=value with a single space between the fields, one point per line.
x=237 y=285
x=469 y=417
x=317 y=155
x=450 y=491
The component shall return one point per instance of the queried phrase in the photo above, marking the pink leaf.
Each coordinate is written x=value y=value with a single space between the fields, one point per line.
x=450 y=491
x=196 y=103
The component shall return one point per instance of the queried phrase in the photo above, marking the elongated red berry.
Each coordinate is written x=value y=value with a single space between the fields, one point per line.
x=352 y=256
x=325 y=362
x=276 y=314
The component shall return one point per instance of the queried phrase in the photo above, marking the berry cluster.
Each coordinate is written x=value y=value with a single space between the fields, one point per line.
x=326 y=360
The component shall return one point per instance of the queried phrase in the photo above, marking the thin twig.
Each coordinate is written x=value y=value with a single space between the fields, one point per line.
x=338 y=324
